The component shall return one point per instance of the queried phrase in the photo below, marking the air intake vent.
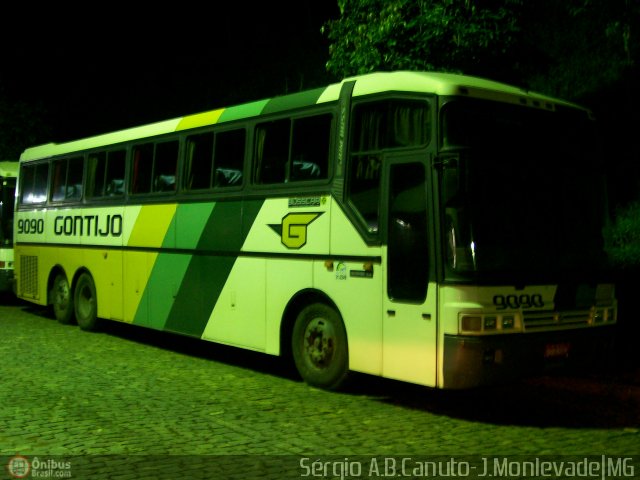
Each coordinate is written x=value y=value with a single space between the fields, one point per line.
x=550 y=320
x=29 y=276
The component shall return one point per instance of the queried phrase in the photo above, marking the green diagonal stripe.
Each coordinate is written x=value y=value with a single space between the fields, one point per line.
x=169 y=269
x=222 y=237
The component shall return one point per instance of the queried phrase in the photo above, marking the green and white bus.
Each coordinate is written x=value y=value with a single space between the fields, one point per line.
x=8 y=175
x=437 y=229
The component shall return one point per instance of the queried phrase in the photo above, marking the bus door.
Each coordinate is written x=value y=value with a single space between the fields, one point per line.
x=409 y=306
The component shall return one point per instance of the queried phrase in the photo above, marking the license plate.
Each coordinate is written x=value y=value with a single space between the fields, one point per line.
x=557 y=350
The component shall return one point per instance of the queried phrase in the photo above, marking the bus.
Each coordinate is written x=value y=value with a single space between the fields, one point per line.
x=8 y=175
x=432 y=228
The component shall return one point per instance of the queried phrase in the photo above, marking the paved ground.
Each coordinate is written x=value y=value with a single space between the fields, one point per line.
x=132 y=403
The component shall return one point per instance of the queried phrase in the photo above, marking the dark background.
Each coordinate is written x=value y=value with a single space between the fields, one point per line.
x=118 y=66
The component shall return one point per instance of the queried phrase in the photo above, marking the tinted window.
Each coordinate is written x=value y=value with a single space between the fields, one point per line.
x=364 y=188
x=229 y=158
x=293 y=150
x=142 y=168
x=199 y=163
x=33 y=179
x=272 y=151
x=390 y=124
x=215 y=160
x=407 y=234
x=66 y=179
x=165 y=167
x=154 y=167
x=377 y=126
x=310 y=148
x=105 y=172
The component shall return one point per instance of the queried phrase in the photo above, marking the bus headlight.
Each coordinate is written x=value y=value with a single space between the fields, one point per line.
x=471 y=323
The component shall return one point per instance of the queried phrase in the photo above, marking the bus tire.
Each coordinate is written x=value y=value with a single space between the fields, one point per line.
x=86 y=303
x=319 y=347
x=61 y=299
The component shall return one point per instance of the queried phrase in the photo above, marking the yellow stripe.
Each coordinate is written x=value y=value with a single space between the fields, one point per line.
x=151 y=225
x=138 y=267
x=150 y=230
x=200 y=119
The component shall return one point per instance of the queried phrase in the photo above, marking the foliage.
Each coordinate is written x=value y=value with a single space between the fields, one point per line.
x=581 y=46
x=568 y=48
x=447 y=35
x=623 y=237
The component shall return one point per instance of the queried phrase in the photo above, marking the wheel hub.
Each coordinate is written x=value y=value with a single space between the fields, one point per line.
x=319 y=342
x=63 y=294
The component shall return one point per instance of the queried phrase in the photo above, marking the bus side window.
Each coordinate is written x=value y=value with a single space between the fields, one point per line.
x=58 y=180
x=310 y=148
x=287 y=150
x=33 y=179
x=105 y=174
x=198 y=164
x=75 y=173
x=66 y=183
x=142 y=168
x=229 y=158
x=165 y=164
x=114 y=175
x=272 y=151
x=96 y=164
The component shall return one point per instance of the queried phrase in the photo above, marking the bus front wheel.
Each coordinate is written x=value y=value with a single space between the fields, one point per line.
x=61 y=299
x=85 y=301
x=319 y=347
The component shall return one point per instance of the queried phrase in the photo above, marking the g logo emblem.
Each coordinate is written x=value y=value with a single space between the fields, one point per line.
x=293 y=229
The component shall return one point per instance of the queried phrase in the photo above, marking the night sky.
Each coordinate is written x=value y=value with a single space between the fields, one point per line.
x=98 y=71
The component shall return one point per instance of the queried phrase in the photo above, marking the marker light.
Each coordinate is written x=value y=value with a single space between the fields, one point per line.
x=490 y=323
x=508 y=322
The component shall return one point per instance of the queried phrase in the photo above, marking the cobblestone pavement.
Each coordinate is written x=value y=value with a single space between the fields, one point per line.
x=133 y=403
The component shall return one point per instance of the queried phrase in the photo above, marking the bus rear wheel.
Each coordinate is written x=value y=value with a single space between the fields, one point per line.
x=61 y=299
x=319 y=347
x=86 y=304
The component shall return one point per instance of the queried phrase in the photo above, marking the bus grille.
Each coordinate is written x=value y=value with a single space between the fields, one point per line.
x=29 y=276
x=550 y=320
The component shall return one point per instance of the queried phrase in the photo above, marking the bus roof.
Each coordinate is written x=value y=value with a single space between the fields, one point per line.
x=8 y=168
x=408 y=81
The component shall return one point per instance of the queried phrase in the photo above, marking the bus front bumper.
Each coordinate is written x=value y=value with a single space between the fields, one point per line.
x=472 y=361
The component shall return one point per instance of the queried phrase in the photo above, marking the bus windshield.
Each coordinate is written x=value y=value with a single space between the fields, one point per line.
x=7 y=192
x=521 y=192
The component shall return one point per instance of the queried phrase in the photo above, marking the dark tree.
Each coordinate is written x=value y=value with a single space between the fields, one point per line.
x=446 y=35
x=568 y=48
